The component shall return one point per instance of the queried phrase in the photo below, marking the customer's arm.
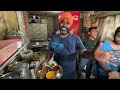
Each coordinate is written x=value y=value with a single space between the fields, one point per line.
x=111 y=74
x=104 y=67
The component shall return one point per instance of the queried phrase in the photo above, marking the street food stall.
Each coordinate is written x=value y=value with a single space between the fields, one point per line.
x=25 y=36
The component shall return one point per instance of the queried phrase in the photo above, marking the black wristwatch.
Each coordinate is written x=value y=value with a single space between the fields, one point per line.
x=108 y=71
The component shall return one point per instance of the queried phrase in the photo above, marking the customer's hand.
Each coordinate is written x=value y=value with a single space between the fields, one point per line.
x=104 y=56
x=101 y=55
x=114 y=75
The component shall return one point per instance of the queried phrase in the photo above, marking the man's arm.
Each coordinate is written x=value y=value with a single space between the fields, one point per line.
x=86 y=54
x=47 y=58
x=99 y=55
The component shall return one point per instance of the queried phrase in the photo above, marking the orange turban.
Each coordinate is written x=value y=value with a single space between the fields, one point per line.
x=66 y=15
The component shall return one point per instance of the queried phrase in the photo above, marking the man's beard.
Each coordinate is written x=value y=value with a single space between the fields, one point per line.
x=64 y=30
x=116 y=42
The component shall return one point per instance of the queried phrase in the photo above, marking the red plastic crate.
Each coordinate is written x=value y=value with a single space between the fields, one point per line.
x=7 y=49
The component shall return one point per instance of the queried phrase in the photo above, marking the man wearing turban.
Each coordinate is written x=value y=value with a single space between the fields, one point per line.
x=64 y=46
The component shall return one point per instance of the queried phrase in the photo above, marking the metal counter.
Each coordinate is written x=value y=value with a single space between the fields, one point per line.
x=12 y=58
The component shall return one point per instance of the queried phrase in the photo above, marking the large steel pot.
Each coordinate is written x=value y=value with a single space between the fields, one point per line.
x=21 y=67
x=10 y=75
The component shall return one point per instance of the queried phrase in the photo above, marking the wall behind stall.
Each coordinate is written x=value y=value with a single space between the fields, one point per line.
x=8 y=23
x=50 y=25
x=23 y=25
x=11 y=20
x=106 y=24
x=81 y=25
x=55 y=23
x=85 y=23
x=107 y=27
x=3 y=25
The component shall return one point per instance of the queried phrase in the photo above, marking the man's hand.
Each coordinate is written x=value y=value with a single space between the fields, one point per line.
x=44 y=63
x=47 y=58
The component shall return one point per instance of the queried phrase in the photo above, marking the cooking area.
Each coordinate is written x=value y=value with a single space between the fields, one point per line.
x=59 y=44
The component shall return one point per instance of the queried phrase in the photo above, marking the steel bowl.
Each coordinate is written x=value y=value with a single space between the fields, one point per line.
x=56 y=68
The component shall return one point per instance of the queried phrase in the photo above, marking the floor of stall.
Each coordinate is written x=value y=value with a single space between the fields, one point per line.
x=83 y=76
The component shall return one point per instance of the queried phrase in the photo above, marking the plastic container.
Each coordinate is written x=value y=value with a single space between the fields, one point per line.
x=27 y=55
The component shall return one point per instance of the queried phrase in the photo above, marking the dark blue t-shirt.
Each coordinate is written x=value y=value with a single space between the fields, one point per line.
x=65 y=52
